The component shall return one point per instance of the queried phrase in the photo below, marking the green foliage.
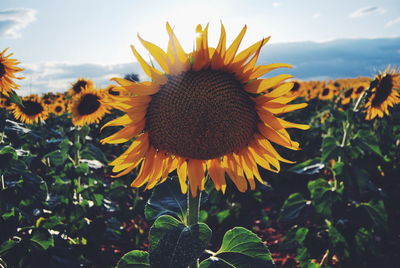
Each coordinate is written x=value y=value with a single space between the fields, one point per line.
x=240 y=248
x=134 y=259
x=175 y=245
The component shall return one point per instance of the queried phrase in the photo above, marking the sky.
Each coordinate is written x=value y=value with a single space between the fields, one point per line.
x=58 y=41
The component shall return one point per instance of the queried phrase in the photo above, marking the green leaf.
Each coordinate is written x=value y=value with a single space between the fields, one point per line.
x=134 y=259
x=7 y=154
x=376 y=212
x=43 y=238
x=57 y=158
x=14 y=98
x=293 y=207
x=167 y=199
x=240 y=248
x=330 y=148
x=325 y=194
x=175 y=245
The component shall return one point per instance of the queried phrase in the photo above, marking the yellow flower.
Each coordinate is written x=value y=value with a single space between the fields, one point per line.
x=207 y=110
x=384 y=94
x=327 y=92
x=79 y=84
x=58 y=107
x=87 y=107
x=347 y=96
x=31 y=111
x=8 y=68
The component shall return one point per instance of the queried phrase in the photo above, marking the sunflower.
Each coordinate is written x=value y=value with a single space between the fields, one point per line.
x=327 y=92
x=5 y=102
x=31 y=111
x=58 y=107
x=8 y=68
x=359 y=88
x=347 y=96
x=208 y=110
x=87 y=107
x=80 y=84
x=384 y=94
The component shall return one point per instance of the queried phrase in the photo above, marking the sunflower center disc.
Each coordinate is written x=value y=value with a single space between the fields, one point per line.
x=383 y=91
x=201 y=115
x=2 y=70
x=31 y=107
x=89 y=104
x=58 y=109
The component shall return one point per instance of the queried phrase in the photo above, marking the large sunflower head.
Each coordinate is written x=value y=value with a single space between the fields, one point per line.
x=384 y=93
x=79 y=85
x=31 y=110
x=207 y=110
x=87 y=107
x=8 y=69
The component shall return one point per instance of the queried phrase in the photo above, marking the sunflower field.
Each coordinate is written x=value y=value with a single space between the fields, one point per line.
x=214 y=161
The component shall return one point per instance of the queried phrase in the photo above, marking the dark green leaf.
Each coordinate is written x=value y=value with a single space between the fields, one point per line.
x=167 y=199
x=134 y=259
x=240 y=248
x=325 y=194
x=175 y=245
x=43 y=238
x=293 y=207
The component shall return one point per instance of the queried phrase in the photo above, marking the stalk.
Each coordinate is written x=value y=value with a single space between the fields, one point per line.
x=193 y=215
x=349 y=124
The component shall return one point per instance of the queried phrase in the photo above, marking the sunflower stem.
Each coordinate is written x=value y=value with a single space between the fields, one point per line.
x=349 y=123
x=193 y=216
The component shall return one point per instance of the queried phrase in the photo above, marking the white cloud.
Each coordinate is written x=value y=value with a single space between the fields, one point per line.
x=13 y=20
x=276 y=4
x=58 y=76
x=365 y=11
x=316 y=15
x=392 y=22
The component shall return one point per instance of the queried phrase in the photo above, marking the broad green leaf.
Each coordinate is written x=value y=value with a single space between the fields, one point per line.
x=240 y=248
x=330 y=148
x=167 y=199
x=376 y=211
x=293 y=207
x=7 y=154
x=134 y=259
x=175 y=245
x=43 y=238
x=325 y=194
x=57 y=158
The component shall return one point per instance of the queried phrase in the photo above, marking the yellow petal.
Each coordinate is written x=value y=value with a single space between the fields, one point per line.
x=261 y=85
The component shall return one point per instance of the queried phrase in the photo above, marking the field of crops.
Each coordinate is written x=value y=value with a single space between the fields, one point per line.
x=77 y=190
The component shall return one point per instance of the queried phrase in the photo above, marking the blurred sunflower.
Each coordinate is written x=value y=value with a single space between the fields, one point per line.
x=208 y=110
x=359 y=88
x=327 y=92
x=347 y=96
x=5 y=102
x=87 y=107
x=58 y=108
x=384 y=93
x=79 y=85
x=8 y=68
x=31 y=111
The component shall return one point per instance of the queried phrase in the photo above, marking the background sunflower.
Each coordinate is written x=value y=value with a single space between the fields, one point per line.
x=87 y=107
x=31 y=110
x=8 y=69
